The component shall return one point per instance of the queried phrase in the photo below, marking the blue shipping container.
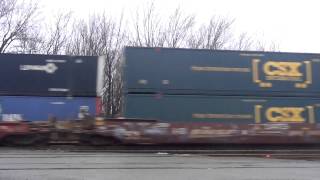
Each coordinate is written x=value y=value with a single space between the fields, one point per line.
x=40 y=108
x=50 y=75
x=217 y=72
x=222 y=109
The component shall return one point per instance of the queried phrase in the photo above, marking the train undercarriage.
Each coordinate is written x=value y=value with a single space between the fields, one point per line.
x=105 y=132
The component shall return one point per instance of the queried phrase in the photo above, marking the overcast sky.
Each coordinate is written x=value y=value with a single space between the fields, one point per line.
x=292 y=24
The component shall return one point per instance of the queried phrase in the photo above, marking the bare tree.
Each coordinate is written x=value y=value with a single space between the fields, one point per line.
x=214 y=35
x=54 y=41
x=113 y=39
x=29 y=43
x=6 y=7
x=243 y=42
x=76 y=42
x=105 y=36
x=86 y=37
x=178 y=28
x=16 y=22
x=117 y=88
x=147 y=30
x=264 y=46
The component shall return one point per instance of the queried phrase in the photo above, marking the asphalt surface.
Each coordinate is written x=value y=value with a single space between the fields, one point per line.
x=20 y=164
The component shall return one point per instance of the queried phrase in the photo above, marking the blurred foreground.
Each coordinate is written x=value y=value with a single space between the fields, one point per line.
x=17 y=164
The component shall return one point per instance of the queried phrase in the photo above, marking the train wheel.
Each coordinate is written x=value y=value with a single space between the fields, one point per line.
x=102 y=141
x=25 y=140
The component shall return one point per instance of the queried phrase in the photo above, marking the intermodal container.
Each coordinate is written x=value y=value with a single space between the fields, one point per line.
x=17 y=108
x=222 y=109
x=50 y=75
x=190 y=71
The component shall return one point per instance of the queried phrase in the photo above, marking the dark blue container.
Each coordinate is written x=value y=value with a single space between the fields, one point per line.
x=49 y=75
x=222 y=109
x=219 y=72
x=41 y=108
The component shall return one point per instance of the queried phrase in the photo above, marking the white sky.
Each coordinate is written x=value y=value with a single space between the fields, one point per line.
x=293 y=24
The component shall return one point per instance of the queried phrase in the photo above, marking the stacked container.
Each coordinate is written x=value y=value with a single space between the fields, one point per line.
x=36 y=87
x=185 y=85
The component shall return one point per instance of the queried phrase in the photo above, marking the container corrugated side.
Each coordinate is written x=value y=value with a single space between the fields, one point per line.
x=48 y=75
x=188 y=71
x=41 y=108
x=222 y=109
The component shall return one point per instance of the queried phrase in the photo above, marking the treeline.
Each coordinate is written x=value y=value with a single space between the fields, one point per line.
x=23 y=30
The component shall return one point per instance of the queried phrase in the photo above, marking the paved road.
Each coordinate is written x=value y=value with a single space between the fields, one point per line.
x=55 y=164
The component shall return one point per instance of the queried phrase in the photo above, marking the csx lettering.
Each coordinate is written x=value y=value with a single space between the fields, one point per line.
x=285 y=114
x=273 y=68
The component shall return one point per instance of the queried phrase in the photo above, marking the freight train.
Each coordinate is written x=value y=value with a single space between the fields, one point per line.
x=199 y=96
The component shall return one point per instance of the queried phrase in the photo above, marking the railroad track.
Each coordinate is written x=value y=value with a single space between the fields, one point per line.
x=298 y=152
x=267 y=153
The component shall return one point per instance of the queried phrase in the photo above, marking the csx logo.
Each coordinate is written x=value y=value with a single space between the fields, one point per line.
x=273 y=68
x=285 y=114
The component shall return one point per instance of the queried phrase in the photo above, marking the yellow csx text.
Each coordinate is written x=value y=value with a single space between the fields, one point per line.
x=285 y=114
x=291 y=69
